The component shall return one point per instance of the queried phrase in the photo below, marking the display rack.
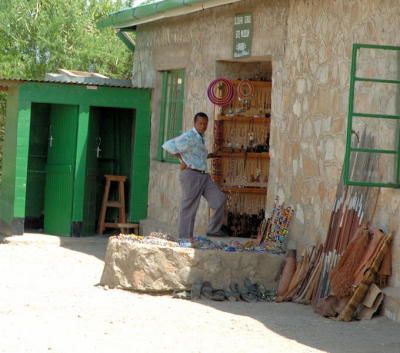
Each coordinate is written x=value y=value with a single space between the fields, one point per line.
x=241 y=168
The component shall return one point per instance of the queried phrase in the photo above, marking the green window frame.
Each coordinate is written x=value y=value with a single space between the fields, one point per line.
x=351 y=114
x=173 y=89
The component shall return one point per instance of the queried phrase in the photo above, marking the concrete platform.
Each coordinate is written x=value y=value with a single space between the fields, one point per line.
x=156 y=269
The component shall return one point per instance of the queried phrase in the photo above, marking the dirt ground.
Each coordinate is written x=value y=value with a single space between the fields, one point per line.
x=49 y=302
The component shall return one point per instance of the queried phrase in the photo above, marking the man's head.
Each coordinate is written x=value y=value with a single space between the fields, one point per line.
x=201 y=122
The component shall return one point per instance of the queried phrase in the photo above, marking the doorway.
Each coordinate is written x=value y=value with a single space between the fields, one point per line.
x=109 y=151
x=241 y=139
x=51 y=166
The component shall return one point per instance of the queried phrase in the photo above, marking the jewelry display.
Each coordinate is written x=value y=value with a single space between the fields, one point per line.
x=241 y=141
x=221 y=92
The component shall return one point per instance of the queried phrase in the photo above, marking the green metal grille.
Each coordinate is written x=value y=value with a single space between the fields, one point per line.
x=353 y=114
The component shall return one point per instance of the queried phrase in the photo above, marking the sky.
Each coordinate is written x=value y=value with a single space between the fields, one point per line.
x=134 y=2
x=138 y=2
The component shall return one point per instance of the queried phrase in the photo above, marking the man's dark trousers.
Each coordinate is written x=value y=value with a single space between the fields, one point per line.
x=195 y=185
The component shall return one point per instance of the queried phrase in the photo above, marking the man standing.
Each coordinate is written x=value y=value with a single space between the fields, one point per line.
x=190 y=149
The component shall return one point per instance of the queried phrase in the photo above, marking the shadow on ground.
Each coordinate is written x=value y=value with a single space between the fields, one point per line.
x=95 y=246
x=299 y=323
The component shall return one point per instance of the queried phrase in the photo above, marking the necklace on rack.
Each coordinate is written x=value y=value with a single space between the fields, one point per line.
x=243 y=178
x=258 y=171
x=229 y=140
x=242 y=138
x=231 y=171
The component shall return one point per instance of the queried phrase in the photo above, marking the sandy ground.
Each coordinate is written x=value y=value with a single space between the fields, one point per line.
x=49 y=302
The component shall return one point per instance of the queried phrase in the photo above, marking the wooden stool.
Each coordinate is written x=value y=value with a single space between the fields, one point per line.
x=120 y=203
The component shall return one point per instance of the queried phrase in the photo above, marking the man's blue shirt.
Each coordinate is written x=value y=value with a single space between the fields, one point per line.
x=190 y=145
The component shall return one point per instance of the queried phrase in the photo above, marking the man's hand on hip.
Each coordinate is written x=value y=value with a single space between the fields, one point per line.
x=183 y=165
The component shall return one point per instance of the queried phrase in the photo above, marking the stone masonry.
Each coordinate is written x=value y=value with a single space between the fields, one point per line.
x=152 y=268
x=309 y=43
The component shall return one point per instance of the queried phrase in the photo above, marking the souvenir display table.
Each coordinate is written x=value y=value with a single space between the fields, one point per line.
x=155 y=265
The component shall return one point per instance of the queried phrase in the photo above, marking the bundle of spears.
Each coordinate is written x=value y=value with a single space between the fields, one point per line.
x=353 y=206
x=326 y=276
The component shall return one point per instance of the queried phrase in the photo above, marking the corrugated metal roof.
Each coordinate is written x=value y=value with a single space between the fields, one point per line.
x=83 y=81
x=157 y=10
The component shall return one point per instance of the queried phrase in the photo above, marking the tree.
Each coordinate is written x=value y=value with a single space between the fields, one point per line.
x=39 y=36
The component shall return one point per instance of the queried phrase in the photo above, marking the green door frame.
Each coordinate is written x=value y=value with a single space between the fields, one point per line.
x=12 y=203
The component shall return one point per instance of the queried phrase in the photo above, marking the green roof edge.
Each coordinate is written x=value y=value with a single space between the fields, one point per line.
x=119 y=18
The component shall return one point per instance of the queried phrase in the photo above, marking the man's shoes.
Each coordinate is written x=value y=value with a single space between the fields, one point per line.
x=219 y=234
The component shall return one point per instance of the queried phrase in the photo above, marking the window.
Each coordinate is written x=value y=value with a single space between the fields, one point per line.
x=171 y=110
x=373 y=127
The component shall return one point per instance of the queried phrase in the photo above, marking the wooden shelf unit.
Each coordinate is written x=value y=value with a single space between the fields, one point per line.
x=239 y=189
x=225 y=154
x=259 y=104
x=243 y=176
x=243 y=118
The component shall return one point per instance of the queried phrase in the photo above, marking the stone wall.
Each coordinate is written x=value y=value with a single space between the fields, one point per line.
x=197 y=42
x=309 y=104
x=309 y=43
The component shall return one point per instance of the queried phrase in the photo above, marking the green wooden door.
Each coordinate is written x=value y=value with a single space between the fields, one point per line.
x=60 y=169
x=94 y=149
x=38 y=145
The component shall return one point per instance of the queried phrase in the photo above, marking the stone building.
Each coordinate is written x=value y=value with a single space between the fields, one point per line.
x=305 y=48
